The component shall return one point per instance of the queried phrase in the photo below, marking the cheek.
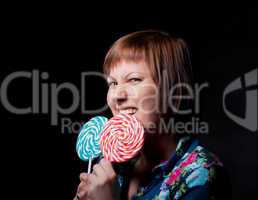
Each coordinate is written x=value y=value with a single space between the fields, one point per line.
x=148 y=105
x=148 y=101
x=109 y=100
x=148 y=120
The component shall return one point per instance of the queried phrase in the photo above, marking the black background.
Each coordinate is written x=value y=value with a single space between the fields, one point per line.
x=39 y=162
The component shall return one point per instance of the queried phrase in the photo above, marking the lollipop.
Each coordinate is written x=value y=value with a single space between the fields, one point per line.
x=87 y=145
x=121 y=138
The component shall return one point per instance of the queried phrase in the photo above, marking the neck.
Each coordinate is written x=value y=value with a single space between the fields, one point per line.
x=157 y=148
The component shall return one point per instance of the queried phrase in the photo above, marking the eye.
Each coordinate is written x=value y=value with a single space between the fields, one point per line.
x=112 y=83
x=135 y=80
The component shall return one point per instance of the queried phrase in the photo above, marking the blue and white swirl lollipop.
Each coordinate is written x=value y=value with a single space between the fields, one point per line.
x=88 y=141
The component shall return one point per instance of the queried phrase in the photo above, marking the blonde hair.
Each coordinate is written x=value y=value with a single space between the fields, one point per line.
x=160 y=51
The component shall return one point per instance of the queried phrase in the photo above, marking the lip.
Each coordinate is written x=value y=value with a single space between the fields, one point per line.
x=128 y=110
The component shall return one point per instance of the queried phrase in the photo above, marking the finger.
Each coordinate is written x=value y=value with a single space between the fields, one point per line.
x=92 y=180
x=84 y=177
x=99 y=172
x=82 y=189
x=108 y=169
x=81 y=195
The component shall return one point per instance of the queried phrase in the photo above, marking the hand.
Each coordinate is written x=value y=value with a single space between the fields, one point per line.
x=98 y=184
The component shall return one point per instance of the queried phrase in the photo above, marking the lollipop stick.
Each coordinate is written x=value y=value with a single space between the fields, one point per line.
x=89 y=165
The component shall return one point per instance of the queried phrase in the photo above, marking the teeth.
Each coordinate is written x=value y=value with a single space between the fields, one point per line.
x=129 y=111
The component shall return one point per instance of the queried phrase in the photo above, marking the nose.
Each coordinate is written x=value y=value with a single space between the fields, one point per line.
x=120 y=95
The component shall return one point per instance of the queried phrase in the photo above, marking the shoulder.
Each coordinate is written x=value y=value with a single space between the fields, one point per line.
x=197 y=169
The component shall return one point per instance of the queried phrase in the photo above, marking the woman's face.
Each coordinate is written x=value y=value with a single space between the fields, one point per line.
x=133 y=91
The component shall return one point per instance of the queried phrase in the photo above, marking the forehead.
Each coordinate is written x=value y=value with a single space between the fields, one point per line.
x=124 y=68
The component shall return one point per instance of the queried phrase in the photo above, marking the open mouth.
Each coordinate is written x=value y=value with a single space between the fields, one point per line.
x=129 y=111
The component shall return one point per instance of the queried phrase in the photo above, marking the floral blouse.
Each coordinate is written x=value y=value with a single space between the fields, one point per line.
x=191 y=173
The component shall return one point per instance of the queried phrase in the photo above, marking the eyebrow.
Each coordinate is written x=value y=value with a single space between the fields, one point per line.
x=126 y=75
x=109 y=77
x=140 y=73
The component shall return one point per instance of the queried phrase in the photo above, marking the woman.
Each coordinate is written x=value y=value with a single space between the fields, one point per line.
x=143 y=70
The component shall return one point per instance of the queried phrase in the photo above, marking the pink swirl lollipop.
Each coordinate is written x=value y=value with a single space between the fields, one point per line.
x=122 y=137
